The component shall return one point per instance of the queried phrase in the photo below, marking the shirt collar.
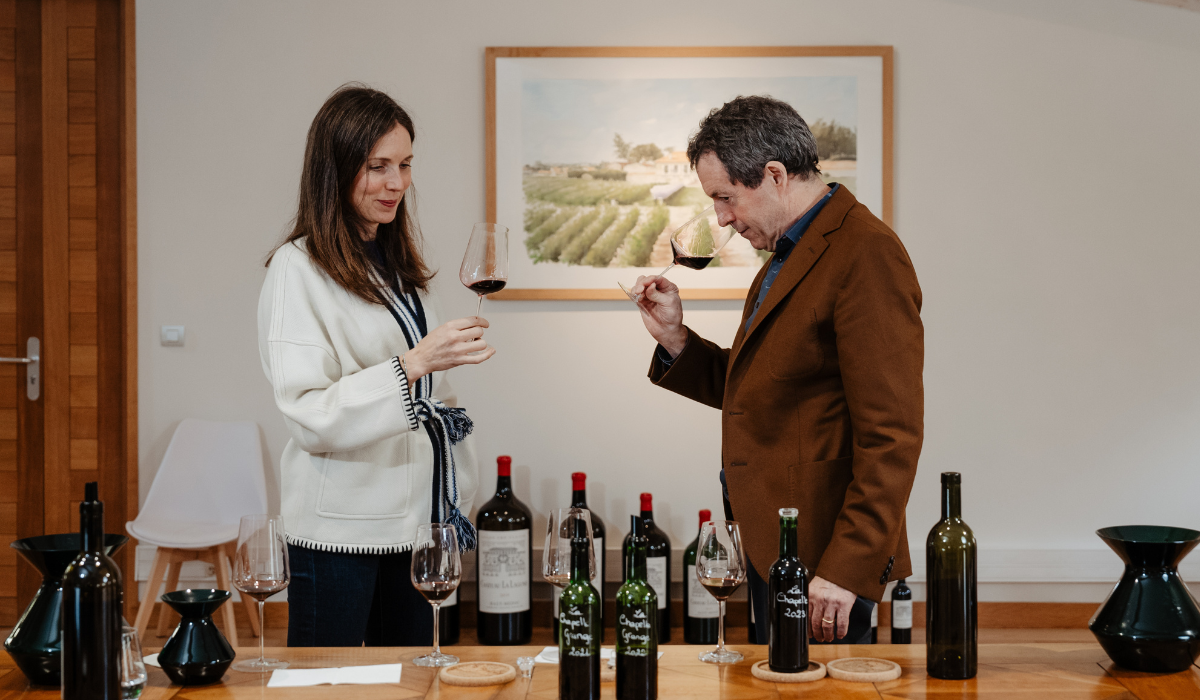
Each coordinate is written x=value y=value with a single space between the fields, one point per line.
x=783 y=247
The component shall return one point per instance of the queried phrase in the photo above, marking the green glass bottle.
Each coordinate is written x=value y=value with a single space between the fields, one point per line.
x=951 y=608
x=637 y=626
x=579 y=623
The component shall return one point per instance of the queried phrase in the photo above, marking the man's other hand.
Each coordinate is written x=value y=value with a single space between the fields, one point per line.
x=828 y=601
x=662 y=311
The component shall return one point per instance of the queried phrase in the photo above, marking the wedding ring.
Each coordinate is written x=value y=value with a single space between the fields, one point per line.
x=828 y=622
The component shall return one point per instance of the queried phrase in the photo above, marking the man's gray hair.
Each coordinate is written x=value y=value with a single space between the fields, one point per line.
x=748 y=132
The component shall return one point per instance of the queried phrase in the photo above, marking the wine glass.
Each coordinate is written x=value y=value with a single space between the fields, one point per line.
x=133 y=670
x=260 y=570
x=485 y=265
x=721 y=567
x=556 y=554
x=436 y=572
x=693 y=245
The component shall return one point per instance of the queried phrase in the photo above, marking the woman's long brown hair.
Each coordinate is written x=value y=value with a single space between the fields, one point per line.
x=340 y=140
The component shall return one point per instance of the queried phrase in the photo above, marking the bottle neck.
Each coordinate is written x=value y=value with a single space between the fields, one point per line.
x=648 y=517
x=951 y=501
x=91 y=526
x=580 y=566
x=787 y=538
x=503 y=485
x=579 y=498
x=635 y=560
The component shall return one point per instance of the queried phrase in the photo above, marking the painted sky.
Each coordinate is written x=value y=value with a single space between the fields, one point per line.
x=573 y=121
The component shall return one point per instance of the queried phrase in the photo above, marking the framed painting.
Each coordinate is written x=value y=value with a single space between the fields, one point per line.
x=587 y=164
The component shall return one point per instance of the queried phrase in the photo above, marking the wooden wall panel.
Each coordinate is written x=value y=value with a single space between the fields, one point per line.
x=10 y=476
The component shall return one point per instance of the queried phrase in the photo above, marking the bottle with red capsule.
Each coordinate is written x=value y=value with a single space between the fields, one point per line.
x=658 y=565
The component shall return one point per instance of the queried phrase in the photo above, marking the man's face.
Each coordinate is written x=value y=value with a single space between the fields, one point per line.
x=756 y=214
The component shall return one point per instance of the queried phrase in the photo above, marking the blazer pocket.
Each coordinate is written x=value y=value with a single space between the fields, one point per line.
x=372 y=483
x=793 y=347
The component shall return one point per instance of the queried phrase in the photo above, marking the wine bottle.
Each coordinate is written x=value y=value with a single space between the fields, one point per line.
x=951 y=607
x=658 y=566
x=579 y=500
x=91 y=612
x=504 y=566
x=787 y=602
x=579 y=617
x=449 y=620
x=637 y=620
x=902 y=613
x=700 y=610
x=875 y=624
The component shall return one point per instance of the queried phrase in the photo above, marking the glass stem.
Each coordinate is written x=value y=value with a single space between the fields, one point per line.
x=437 y=649
x=664 y=272
x=262 y=633
x=479 y=305
x=721 y=628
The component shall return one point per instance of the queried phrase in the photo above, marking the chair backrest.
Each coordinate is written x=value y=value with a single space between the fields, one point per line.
x=212 y=472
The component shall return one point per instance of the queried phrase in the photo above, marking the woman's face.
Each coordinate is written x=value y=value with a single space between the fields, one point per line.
x=385 y=177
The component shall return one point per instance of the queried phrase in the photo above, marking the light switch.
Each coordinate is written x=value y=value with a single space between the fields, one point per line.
x=172 y=335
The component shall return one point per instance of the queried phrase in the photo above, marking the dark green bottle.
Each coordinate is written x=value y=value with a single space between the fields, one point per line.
x=787 y=602
x=579 y=624
x=951 y=608
x=637 y=625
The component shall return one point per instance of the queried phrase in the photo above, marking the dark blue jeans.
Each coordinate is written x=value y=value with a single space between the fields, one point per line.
x=347 y=600
x=860 y=615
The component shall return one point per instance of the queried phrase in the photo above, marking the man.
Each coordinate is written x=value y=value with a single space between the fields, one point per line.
x=821 y=394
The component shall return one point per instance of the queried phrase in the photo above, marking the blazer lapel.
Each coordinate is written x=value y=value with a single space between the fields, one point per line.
x=806 y=253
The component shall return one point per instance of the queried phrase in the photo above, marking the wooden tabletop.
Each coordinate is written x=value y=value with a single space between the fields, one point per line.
x=1034 y=671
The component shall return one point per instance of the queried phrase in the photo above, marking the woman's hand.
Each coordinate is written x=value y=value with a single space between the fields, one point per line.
x=447 y=346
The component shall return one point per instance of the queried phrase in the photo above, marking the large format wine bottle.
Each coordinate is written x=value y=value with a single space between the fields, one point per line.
x=91 y=612
x=504 y=566
x=579 y=615
x=700 y=610
x=637 y=620
x=951 y=607
x=787 y=602
x=902 y=613
x=658 y=566
x=579 y=500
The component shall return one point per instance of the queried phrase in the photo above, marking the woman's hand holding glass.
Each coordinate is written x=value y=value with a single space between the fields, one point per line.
x=454 y=343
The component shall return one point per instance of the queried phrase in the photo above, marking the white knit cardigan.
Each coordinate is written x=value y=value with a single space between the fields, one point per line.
x=357 y=473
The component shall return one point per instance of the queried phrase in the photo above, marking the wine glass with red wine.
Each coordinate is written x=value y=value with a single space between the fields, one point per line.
x=694 y=245
x=485 y=265
x=436 y=572
x=721 y=567
x=260 y=570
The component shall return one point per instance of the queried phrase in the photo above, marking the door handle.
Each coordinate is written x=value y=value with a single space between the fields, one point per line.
x=32 y=362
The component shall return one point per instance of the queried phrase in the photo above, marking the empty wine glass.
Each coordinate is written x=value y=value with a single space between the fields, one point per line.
x=556 y=555
x=133 y=670
x=693 y=245
x=721 y=567
x=485 y=264
x=436 y=572
x=260 y=570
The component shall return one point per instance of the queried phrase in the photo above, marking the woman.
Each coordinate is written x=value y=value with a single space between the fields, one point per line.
x=350 y=342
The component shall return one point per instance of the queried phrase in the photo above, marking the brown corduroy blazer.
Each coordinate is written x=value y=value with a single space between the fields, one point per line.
x=822 y=400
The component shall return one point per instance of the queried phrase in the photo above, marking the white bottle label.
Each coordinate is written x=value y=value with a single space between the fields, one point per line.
x=656 y=576
x=598 y=553
x=452 y=600
x=700 y=601
x=902 y=614
x=503 y=571
x=874 y=616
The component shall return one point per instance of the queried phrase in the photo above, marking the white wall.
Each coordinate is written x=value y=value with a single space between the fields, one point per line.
x=1046 y=175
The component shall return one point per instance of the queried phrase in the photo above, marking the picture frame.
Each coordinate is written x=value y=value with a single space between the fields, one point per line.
x=589 y=206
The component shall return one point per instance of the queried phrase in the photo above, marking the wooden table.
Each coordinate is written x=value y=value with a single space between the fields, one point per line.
x=1033 y=671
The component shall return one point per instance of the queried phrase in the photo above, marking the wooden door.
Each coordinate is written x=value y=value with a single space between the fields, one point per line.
x=67 y=266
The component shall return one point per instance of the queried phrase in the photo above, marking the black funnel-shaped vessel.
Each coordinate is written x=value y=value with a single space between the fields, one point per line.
x=1150 y=621
x=36 y=642
x=197 y=653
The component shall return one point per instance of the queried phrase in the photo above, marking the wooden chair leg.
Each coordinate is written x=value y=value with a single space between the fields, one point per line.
x=247 y=602
x=218 y=558
x=165 y=613
x=147 y=605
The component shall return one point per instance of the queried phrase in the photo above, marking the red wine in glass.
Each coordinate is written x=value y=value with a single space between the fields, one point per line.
x=695 y=262
x=483 y=287
x=485 y=264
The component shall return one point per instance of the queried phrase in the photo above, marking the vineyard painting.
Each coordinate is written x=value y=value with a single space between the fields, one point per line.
x=592 y=175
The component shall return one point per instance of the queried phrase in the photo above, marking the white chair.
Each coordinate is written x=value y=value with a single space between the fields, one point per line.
x=211 y=475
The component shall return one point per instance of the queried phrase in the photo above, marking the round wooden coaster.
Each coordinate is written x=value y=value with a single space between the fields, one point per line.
x=763 y=672
x=478 y=673
x=864 y=669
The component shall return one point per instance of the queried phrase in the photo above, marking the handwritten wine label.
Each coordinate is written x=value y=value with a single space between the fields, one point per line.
x=633 y=629
x=576 y=628
x=700 y=603
x=503 y=570
x=656 y=576
x=902 y=614
x=793 y=602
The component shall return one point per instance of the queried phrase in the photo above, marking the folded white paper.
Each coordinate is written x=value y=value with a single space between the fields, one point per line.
x=361 y=675
x=549 y=655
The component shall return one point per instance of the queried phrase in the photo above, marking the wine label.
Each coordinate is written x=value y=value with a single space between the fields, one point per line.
x=875 y=615
x=576 y=630
x=656 y=576
x=503 y=571
x=902 y=614
x=597 y=580
x=452 y=600
x=793 y=603
x=700 y=602
x=633 y=631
